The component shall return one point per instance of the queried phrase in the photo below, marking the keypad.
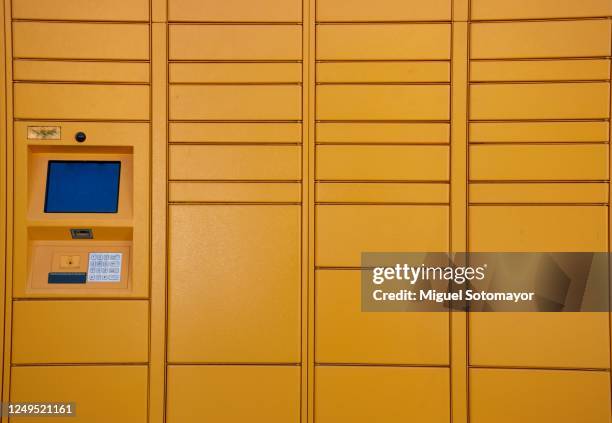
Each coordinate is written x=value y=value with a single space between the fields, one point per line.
x=104 y=267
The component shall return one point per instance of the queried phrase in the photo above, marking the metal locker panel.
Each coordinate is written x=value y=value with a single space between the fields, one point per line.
x=343 y=232
x=530 y=9
x=39 y=70
x=235 y=72
x=360 y=394
x=235 y=102
x=235 y=42
x=380 y=41
x=229 y=394
x=540 y=101
x=235 y=132
x=559 y=340
x=100 y=10
x=539 y=131
x=383 y=102
x=540 y=70
x=344 y=334
x=382 y=162
x=538 y=228
x=539 y=193
x=54 y=40
x=71 y=101
x=235 y=10
x=555 y=39
x=379 y=132
x=234 y=192
x=535 y=396
x=330 y=72
x=80 y=332
x=234 y=276
x=223 y=162
x=385 y=10
x=380 y=192
x=539 y=162
x=100 y=393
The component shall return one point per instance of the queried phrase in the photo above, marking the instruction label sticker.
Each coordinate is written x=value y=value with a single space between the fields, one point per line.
x=104 y=267
x=44 y=132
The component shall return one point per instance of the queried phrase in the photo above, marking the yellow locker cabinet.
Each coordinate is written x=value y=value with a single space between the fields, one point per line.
x=260 y=148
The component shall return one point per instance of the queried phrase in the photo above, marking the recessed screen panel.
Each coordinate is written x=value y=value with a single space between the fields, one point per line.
x=82 y=186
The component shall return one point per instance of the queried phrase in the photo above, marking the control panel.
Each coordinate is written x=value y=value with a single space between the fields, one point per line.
x=85 y=220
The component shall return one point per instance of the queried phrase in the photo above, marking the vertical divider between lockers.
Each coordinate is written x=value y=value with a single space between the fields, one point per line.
x=8 y=150
x=609 y=211
x=3 y=177
x=159 y=211
x=458 y=202
x=308 y=208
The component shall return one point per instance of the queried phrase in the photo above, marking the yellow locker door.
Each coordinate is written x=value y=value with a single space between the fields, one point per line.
x=229 y=394
x=98 y=393
x=504 y=396
x=234 y=291
x=362 y=394
x=345 y=334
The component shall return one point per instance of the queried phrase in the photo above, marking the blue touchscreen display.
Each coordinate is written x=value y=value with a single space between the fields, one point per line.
x=82 y=186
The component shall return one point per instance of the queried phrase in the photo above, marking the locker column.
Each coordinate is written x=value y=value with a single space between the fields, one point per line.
x=382 y=184
x=234 y=223
x=80 y=68
x=539 y=181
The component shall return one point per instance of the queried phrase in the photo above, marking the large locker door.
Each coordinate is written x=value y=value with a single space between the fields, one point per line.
x=234 y=284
